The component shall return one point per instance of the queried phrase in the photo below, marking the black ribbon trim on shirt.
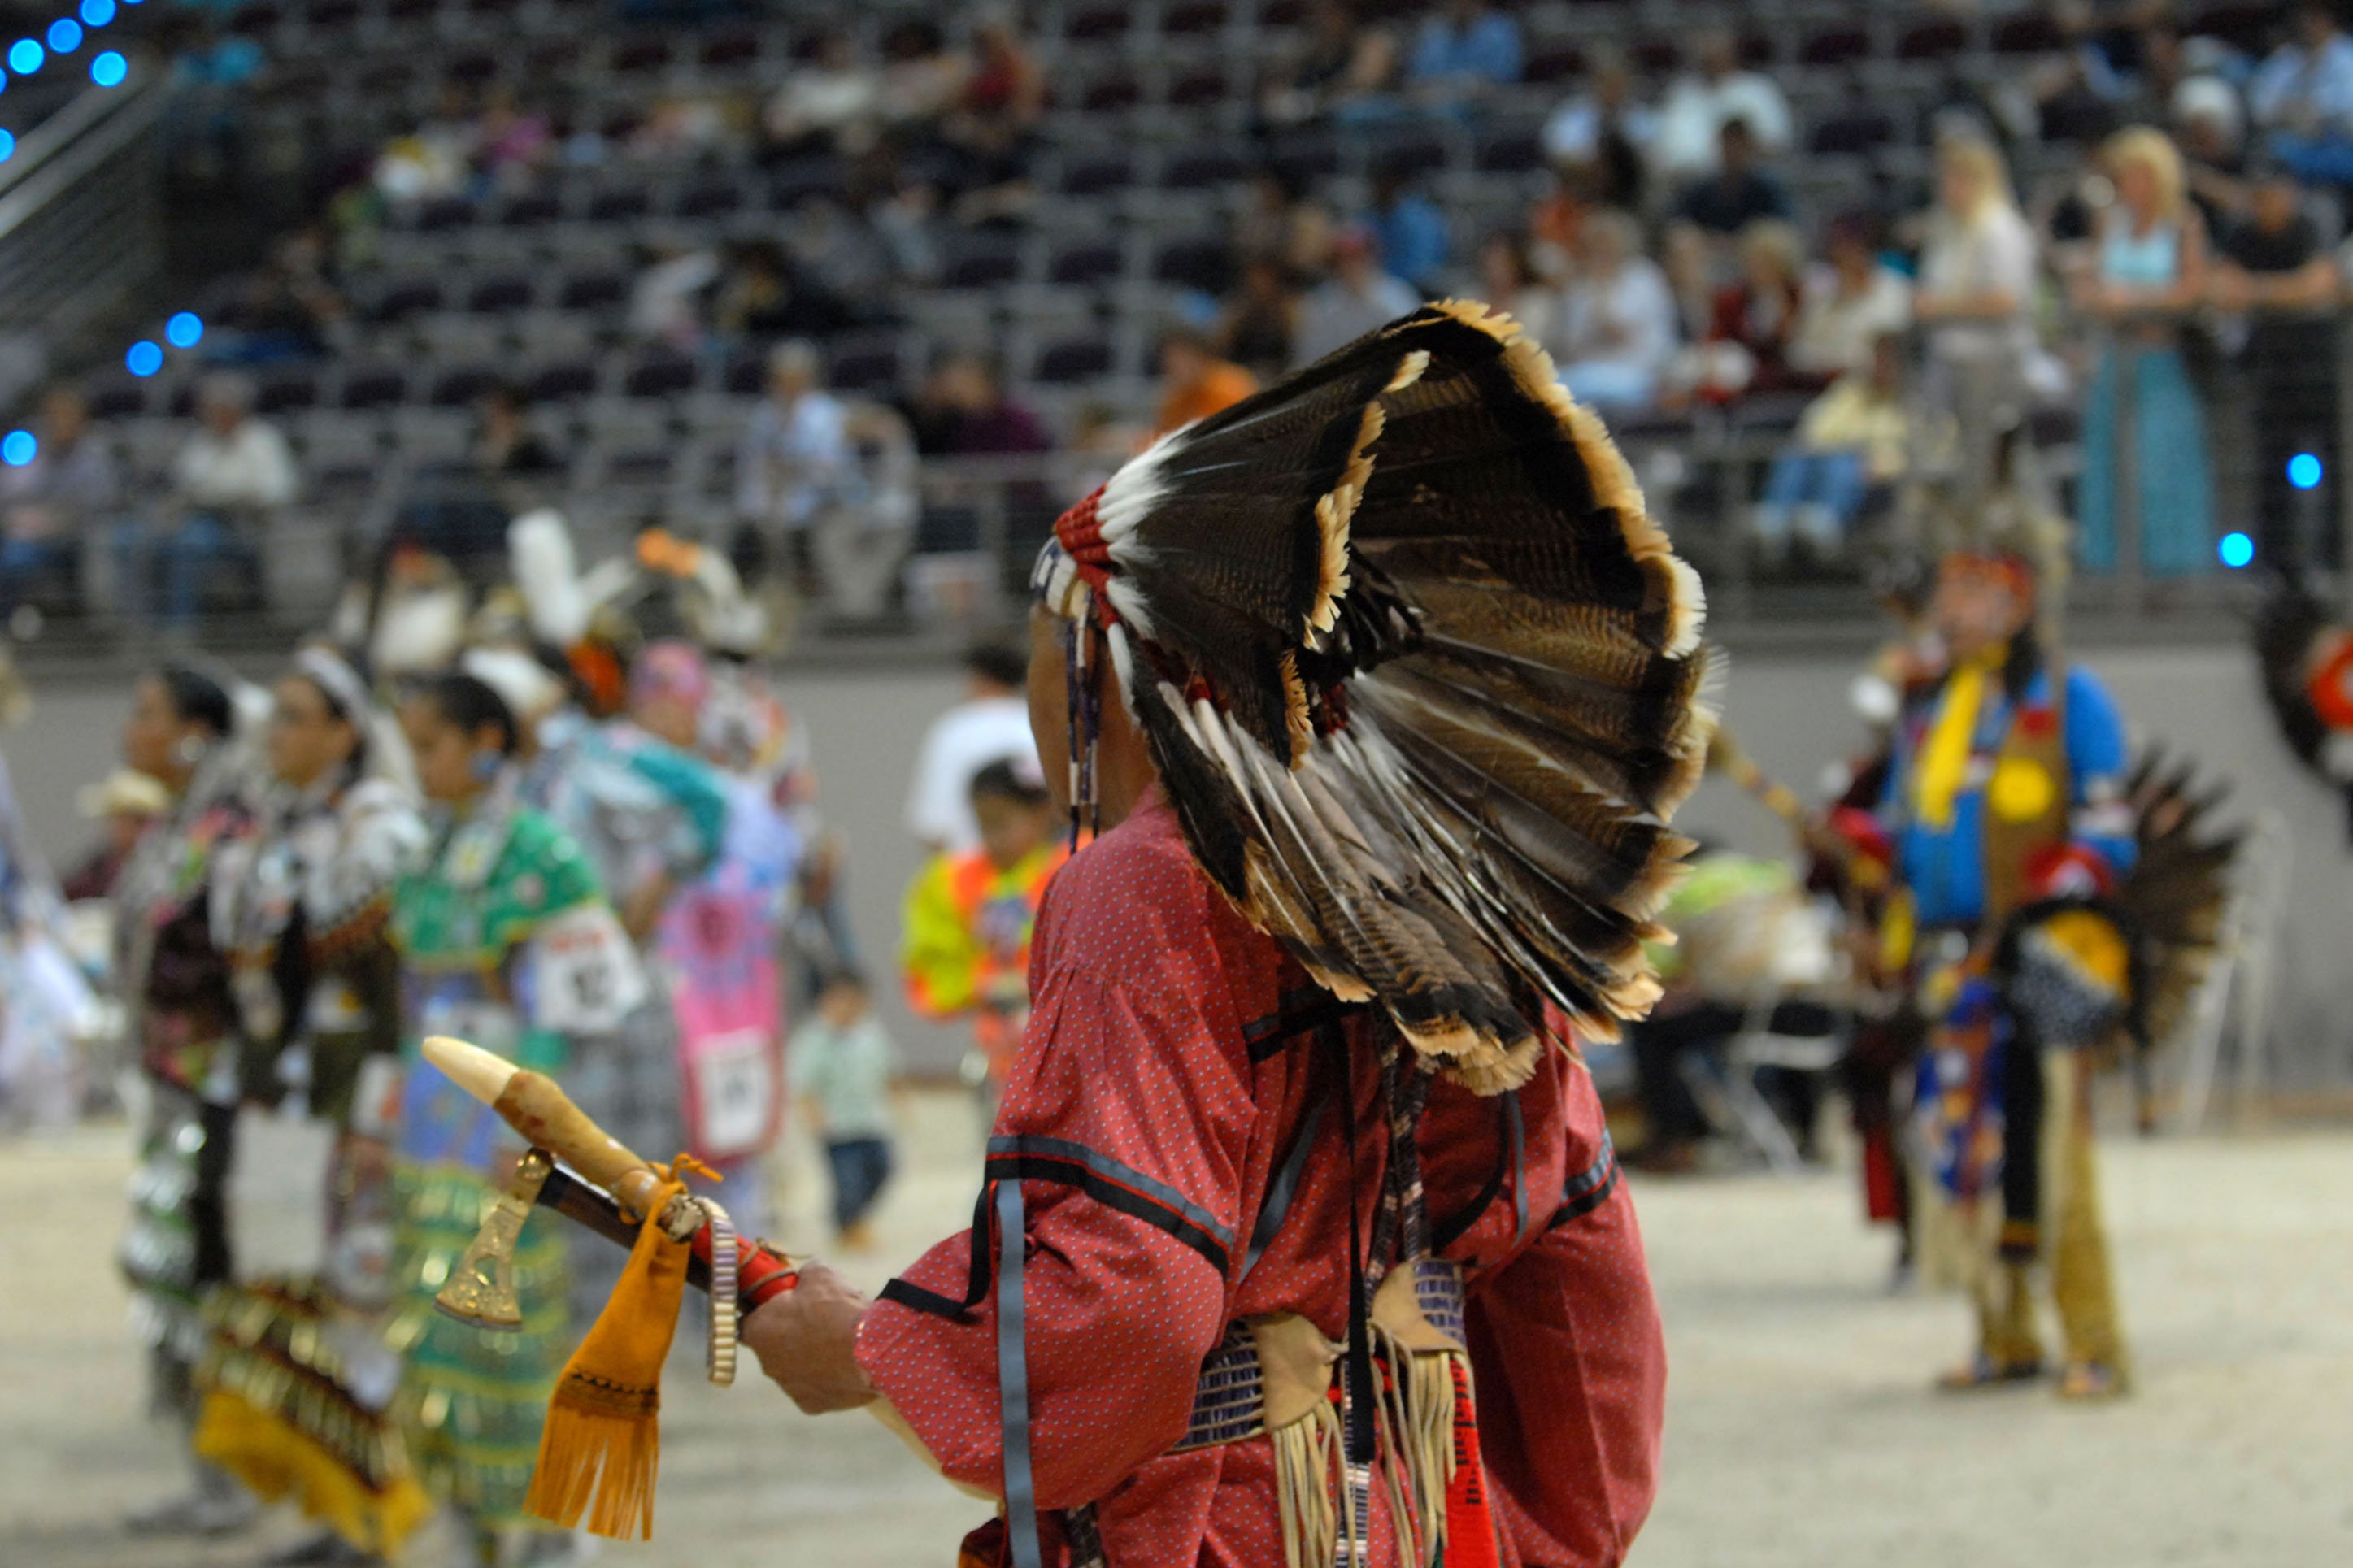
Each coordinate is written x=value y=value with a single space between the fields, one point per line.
x=1116 y=1186
x=1591 y=1188
x=1302 y=1012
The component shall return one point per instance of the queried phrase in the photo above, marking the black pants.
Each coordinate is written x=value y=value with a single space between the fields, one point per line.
x=861 y=1167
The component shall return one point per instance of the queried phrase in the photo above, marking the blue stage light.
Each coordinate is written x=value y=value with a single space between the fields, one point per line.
x=109 y=68
x=97 y=13
x=18 y=447
x=145 y=358
x=2304 y=471
x=185 y=331
x=2236 y=550
x=25 y=57
x=65 y=35
x=7 y=146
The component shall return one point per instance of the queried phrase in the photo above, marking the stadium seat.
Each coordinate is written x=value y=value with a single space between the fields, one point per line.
x=2026 y=33
x=981 y=260
x=865 y=365
x=660 y=375
x=1204 y=264
x=1202 y=168
x=407 y=298
x=501 y=294
x=621 y=203
x=1860 y=131
x=718 y=198
x=641 y=54
x=1097 y=173
x=1087 y=261
x=1835 y=47
x=1554 y=60
x=377 y=386
x=287 y=389
x=1938 y=38
x=460 y=386
x=1074 y=360
x=1097 y=24
x=561 y=381
x=1189 y=17
x=593 y=290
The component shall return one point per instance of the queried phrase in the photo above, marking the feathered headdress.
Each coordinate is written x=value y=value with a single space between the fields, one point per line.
x=1421 y=678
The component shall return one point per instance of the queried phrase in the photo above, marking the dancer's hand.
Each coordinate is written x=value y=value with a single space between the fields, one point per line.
x=807 y=1340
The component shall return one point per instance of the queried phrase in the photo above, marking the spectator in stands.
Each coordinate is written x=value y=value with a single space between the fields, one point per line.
x=990 y=724
x=1605 y=128
x=1737 y=193
x=1687 y=261
x=1194 y=382
x=1507 y=282
x=1462 y=49
x=1751 y=320
x=963 y=412
x=1853 y=441
x=1407 y=226
x=2303 y=96
x=921 y=77
x=1976 y=292
x=764 y=296
x=668 y=298
x=860 y=547
x=505 y=446
x=1702 y=102
x=512 y=143
x=831 y=103
x=2148 y=272
x=2075 y=91
x=2212 y=133
x=1360 y=295
x=1556 y=223
x=794 y=456
x=1005 y=84
x=1618 y=319
x=1850 y=302
x=292 y=308
x=49 y=506
x=2274 y=269
x=1259 y=320
x=1346 y=69
x=233 y=475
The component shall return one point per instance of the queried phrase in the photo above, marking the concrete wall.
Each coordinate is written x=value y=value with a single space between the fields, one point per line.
x=1787 y=708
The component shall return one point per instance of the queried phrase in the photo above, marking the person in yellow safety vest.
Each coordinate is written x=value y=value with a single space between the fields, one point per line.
x=968 y=918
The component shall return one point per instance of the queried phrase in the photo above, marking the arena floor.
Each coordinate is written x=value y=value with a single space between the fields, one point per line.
x=1801 y=1430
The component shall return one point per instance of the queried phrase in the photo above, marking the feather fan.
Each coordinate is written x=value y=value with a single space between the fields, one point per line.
x=1424 y=681
x=2172 y=900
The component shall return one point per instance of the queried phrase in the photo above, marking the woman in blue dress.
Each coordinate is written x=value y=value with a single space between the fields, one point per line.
x=2149 y=270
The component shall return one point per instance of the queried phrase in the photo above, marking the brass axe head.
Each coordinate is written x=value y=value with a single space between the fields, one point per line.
x=481 y=1289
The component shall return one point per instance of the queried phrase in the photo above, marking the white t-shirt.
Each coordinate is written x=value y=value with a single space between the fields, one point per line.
x=961 y=741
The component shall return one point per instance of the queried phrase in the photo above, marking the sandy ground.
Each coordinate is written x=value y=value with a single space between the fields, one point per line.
x=1801 y=1431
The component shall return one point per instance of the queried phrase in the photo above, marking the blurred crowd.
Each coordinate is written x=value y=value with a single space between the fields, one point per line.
x=1680 y=258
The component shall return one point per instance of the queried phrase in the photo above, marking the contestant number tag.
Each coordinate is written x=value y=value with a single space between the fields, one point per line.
x=735 y=1091
x=586 y=972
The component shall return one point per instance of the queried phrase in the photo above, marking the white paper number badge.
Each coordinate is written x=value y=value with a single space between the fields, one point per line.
x=585 y=974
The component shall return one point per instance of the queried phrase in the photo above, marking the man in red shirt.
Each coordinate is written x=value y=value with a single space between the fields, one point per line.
x=1302 y=1239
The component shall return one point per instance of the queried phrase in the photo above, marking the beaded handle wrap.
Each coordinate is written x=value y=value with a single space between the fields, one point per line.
x=719 y=1357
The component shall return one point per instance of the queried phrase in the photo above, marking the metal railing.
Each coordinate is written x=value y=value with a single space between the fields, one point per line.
x=81 y=220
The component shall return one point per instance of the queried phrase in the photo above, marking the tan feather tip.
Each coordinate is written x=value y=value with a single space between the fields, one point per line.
x=1497 y=324
x=1333 y=510
x=1410 y=370
x=1493 y=1068
x=1295 y=716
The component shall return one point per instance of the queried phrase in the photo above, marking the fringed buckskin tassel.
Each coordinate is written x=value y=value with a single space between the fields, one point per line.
x=1303 y=1425
x=1417 y=1320
x=602 y=1441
